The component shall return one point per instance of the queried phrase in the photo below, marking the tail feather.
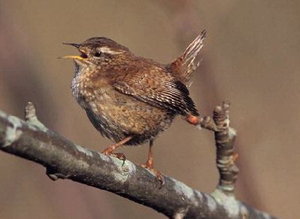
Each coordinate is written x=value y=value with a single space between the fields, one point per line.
x=186 y=64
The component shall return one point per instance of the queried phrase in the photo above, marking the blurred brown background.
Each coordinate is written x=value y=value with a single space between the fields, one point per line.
x=251 y=58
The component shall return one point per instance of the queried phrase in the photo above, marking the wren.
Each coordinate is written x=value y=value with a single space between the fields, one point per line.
x=131 y=99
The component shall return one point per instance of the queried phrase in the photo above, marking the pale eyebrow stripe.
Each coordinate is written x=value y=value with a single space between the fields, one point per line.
x=107 y=50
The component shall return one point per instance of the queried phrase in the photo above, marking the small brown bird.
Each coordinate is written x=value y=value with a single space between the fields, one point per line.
x=131 y=99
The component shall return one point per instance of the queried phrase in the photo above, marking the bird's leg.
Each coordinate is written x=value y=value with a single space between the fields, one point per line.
x=194 y=120
x=149 y=162
x=149 y=165
x=110 y=150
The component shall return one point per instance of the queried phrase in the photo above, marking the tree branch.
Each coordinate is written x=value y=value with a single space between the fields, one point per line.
x=63 y=159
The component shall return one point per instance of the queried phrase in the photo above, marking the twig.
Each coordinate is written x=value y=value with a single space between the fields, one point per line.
x=63 y=159
x=224 y=138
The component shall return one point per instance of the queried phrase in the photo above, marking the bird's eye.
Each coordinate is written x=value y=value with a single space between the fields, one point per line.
x=97 y=54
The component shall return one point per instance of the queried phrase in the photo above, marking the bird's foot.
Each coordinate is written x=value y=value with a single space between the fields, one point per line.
x=194 y=120
x=235 y=156
x=159 y=176
x=110 y=152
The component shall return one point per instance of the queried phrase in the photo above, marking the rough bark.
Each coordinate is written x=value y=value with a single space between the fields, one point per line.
x=31 y=140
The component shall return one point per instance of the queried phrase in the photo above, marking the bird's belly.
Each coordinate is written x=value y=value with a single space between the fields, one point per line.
x=117 y=116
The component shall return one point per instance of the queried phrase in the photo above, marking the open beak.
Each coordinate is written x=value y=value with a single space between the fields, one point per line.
x=72 y=57
x=81 y=57
x=77 y=45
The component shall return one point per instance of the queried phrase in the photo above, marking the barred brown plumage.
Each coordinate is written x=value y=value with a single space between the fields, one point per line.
x=131 y=99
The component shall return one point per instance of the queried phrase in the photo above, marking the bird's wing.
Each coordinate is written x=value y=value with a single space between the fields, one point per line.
x=186 y=64
x=158 y=88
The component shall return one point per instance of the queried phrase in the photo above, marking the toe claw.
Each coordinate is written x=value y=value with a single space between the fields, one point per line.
x=144 y=166
x=161 y=180
x=120 y=156
x=159 y=176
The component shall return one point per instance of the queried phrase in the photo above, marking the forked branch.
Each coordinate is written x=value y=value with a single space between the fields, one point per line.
x=63 y=159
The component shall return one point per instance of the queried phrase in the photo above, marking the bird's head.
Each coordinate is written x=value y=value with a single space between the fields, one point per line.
x=98 y=51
